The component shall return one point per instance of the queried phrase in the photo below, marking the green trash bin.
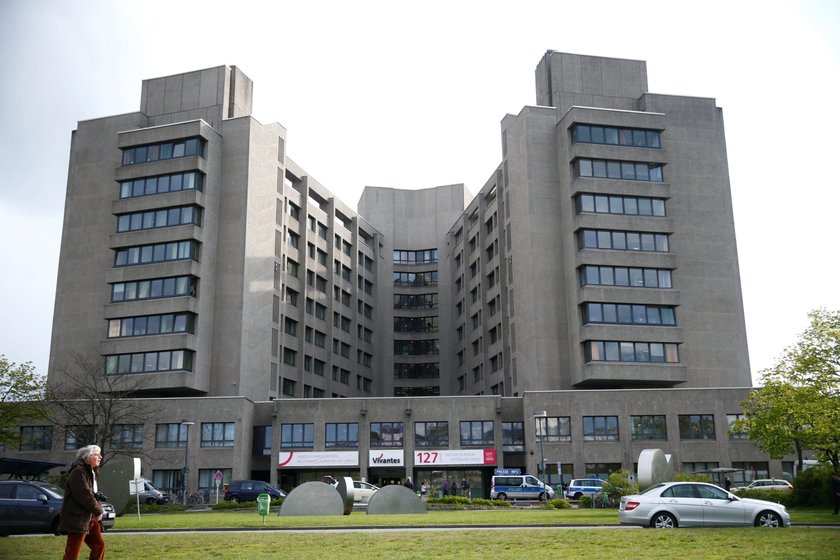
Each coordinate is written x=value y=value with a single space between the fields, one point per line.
x=263 y=504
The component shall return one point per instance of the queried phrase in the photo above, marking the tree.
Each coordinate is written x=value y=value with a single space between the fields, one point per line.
x=21 y=392
x=798 y=407
x=92 y=407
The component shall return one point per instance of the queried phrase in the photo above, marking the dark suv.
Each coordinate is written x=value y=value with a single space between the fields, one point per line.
x=34 y=506
x=248 y=490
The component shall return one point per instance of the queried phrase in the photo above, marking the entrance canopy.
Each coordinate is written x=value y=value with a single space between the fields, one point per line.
x=25 y=468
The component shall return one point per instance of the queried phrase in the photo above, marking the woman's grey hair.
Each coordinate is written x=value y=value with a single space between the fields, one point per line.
x=87 y=451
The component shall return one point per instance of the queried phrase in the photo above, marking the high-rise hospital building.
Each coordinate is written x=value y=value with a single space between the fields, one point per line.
x=584 y=305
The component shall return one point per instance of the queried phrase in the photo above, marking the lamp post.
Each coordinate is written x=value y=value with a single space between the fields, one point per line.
x=541 y=414
x=186 y=423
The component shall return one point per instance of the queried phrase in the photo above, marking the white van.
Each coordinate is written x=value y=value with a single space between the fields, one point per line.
x=519 y=487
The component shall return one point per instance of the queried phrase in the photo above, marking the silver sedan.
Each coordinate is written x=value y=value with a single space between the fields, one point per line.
x=697 y=504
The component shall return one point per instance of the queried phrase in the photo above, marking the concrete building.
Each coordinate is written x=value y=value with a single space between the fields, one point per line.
x=585 y=304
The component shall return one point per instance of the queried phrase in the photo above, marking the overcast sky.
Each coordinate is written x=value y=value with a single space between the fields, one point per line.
x=410 y=95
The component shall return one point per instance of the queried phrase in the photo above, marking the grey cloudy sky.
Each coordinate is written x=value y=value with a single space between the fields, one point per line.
x=410 y=95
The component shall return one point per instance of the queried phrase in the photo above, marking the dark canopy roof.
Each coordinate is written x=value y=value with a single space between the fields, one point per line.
x=25 y=468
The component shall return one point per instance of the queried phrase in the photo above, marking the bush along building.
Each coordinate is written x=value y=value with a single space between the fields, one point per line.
x=583 y=306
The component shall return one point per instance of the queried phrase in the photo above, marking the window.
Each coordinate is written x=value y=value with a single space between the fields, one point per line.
x=416 y=347
x=36 y=438
x=386 y=434
x=76 y=437
x=164 y=217
x=289 y=356
x=614 y=351
x=736 y=435
x=697 y=426
x=160 y=252
x=170 y=435
x=152 y=324
x=429 y=278
x=146 y=186
x=614 y=169
x=600 y=428
x=594 y=134
x=648 y=428
x=207 y=477
x=217 y=434
x=478 y=432
x=291 y=296
x=614 y=204
x=425 y=256
x=292 y=238
x=155 y=288
x=288 y=387
x=416 y=324
x=164 y=150
x=149 y=362
x=417 y=371
x=623 y=240
x=625 y=276
x=297 y=435
x=513 y=437
x=431 y=434
x=344 y=434
x=627 y=314
x=556 y=429
x=127 y=436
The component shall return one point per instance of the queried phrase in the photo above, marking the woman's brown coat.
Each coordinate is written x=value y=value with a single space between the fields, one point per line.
x=79 y=504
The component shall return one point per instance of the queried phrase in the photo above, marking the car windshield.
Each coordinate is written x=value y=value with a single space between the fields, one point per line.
x=52 y=489
x=653 y=489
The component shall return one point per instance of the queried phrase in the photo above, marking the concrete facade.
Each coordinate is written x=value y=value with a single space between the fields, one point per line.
x=420 y=335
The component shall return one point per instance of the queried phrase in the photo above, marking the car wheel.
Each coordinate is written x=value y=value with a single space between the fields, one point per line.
x=768 y=519
x=577 y=495
x=501 y=496
x=150 y=501
x=234 y=499
x=663 y=520
x=542 y=496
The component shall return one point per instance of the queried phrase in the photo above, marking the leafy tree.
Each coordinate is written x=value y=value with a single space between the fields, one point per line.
x=798 y=407
x=618 y=484
x=97 y=408
x=21 y=390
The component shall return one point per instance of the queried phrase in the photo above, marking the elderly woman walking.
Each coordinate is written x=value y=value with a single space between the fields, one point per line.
x=81 y=511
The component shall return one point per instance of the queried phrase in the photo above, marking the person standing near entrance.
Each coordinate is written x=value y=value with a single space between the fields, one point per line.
x=81 y=510
x=465 y=488
x=445 y=487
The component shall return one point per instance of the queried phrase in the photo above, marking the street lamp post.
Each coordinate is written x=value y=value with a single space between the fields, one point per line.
x=542 y=415
x=186 y=423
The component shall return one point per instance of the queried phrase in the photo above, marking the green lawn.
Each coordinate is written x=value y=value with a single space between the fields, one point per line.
x=472 y=543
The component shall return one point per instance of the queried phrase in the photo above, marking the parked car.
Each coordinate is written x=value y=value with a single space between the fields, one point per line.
x=151 y=495
x=248 y=490
x=519 y=487
x=767 y=484
x=697 y=504
x=362 y=491
x=579 y=487
x=34 y=506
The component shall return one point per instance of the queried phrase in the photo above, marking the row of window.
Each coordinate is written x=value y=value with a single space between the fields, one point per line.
x=637 y=137
x=429 y=278
x=623 y=240
x=173 y=182
x=614 y=169
x=629 y=205
x=614 y=351
x=416 y=347
x=159 y=252
x=627 y=314
x=425 y=256
x=591 y=275
x=416 y=324
x=155 y=288
x=152 y=324
x=420 y=301
x=163 y=150
x=164 y=217
x=149 y=362
x=416 y=371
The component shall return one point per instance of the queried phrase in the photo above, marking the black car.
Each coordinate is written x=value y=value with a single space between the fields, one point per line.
x=34 y=506
x=248 y=490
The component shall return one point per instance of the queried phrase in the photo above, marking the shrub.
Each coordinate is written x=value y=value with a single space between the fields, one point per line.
x=618 y=484
x=450 y=500
x=241 y=505
x=558 y=503
x=778 y=496
x=681 y=476
x=812 y=487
